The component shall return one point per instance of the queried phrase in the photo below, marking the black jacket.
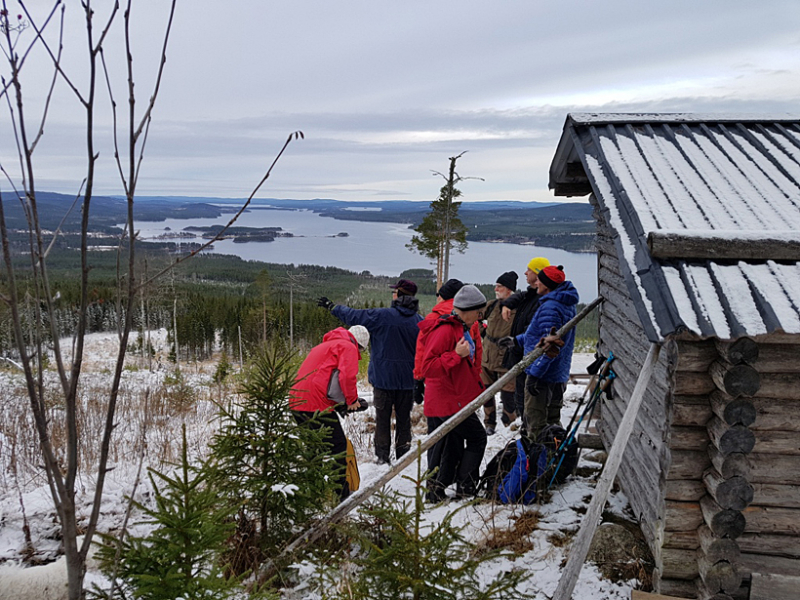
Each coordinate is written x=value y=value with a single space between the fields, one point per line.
x=525 y=303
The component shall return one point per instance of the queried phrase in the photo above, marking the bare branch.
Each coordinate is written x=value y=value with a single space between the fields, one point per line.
x=58 y=229
x=294 y=135
x=40 y=38
x=49 y=98
x=149 y=111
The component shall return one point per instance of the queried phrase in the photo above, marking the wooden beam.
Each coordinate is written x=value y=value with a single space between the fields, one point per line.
x=580 y=547
x=773 y=587
x=640 y=595
x=725 y=245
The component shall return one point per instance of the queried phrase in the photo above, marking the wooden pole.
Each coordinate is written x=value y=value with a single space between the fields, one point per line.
x=359 y=497
x=580 y=547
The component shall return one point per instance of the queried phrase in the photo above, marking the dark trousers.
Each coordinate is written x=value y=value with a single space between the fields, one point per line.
x=384 y=402
x=334 y=436
x=543 y=409
x=458 y=457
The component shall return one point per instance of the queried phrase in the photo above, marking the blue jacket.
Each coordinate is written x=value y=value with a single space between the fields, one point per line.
x=392 y=337
x=555 y=309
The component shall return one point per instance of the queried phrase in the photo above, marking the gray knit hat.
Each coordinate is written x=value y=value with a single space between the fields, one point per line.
x=469 y=298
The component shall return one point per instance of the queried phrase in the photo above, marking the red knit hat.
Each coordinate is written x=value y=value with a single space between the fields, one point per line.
x=552 y=276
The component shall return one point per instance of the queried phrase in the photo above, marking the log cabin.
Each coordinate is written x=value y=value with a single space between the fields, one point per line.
x=698 y=243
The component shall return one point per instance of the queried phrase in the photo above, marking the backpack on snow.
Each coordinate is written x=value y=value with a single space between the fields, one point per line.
x=520 y=469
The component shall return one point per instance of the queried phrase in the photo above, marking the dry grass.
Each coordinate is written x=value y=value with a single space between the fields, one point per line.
x=515 y=538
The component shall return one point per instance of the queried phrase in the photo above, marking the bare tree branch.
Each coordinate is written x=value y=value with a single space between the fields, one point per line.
x=294 y=135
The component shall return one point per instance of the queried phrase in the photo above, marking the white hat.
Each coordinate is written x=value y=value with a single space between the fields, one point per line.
x=361 y=334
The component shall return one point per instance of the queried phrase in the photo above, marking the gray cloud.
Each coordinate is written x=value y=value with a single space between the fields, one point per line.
x=386 y=92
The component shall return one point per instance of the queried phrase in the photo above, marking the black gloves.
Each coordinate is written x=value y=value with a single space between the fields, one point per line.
x=507 y=342
x=419 y=391
x=357 y=406
x=325 y=303
x=532 y=385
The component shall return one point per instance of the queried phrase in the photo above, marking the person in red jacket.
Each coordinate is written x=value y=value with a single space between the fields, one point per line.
x=451 y=366
x=326 y=380
x=443 y=307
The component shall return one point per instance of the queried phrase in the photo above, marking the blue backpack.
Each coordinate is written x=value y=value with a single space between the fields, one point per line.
x=519 y=484
x=517 y=471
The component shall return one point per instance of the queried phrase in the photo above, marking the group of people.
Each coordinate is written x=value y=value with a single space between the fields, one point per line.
x=444 y=361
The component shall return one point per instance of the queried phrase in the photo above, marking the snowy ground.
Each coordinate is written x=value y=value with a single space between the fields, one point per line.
x=157 y=426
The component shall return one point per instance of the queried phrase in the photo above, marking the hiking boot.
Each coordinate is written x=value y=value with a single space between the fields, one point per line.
x=435 y=496
x=490 y=430
x=383 y=460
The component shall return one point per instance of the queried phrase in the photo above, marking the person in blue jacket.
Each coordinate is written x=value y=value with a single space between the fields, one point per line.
x=393 y=338
x=547 y=376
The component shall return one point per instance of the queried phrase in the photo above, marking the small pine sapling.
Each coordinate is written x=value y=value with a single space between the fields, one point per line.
x=277 y=474
x=397 y=554
x=179 y=557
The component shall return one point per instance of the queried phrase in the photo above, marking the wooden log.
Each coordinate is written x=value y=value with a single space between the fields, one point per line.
x=733 y=411
x=719 y=576
x=722 y=522
x=708 y=594
x=689 y=438
x=716 y=548
x=712 y=245
x=685 y=490
x=780 y=385
x=730 y=439
x=691 y=411
x=774 y=468
x=736 y=464
x=735 y=493
x=640 y=595
x=768 y=543
x=762 y=563
x=735 y=380
x=679 y=588
x=682 y=516
x=776 y=414
x=696 y=356
x=685 y=464
x=679 y=564
x=743 y=350
x=768 y=586
x=777 y=337
x=776 y=442
x=686 y=540
x=775 y=494
x=768 y=519
x=697 y=384
x=777 y=358
x=590 y=440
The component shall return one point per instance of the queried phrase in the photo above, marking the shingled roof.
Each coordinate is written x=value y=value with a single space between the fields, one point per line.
x=706 y=210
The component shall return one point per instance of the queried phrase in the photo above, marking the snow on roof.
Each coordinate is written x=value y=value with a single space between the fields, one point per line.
x=730 y=176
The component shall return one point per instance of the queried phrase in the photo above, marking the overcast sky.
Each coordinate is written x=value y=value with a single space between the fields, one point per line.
x=386 y=91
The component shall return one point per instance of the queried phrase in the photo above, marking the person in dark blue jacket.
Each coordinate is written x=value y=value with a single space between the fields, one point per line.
x=393 y=338
x=547 y=376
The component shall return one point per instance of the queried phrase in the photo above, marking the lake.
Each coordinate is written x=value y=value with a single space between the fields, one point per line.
x=377 y=247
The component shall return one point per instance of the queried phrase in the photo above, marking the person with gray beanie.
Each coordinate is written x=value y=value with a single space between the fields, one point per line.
x=451 y=366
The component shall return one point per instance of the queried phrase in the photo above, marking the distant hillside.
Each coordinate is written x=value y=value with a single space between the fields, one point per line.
x=568 y=226
x=560 y=225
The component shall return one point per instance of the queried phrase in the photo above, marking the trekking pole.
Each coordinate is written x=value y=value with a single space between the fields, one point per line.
x=560 y=452
x=597 y=379
x=313 y=532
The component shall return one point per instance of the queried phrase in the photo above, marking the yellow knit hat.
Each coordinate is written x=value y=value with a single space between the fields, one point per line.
x=538 y=263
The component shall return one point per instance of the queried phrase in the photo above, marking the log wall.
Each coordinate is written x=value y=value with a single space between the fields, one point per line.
x=712 y=470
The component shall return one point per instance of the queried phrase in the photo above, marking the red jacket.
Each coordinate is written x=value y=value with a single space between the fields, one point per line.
x=445 y=307
x=328 y=375
x=451 y=381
